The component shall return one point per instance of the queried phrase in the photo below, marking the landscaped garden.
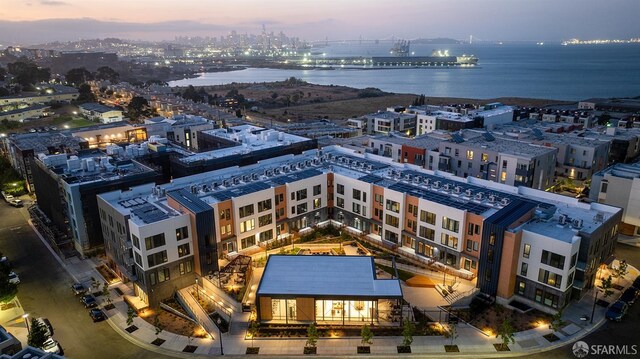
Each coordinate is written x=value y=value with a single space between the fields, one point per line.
x=489 y=317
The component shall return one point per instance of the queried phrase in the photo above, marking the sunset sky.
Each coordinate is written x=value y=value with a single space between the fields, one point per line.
x=32 y=21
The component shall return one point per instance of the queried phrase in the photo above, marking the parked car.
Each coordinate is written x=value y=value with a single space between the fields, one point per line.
x=13 y=278
x=78 y=288
x=617 y=311
x=16 y=202
x=5 y=261
x=97 y=315
x=44 y=322
x=630 y=295
x=89 y=301
x=8 y=198
x=52 y=346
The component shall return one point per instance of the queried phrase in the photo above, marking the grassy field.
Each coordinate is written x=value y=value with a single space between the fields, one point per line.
x=59 y=121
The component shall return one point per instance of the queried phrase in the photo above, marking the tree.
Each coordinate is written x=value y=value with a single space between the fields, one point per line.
x=8 y=290
x=37 y=334
x=603 y=119
x=107 y=73
x=606 y=285
x=78 y=76
x=506 y=333
x=253 y=329
x=26 y=73
x=105 y=292
x=556 y=321
x=621 y=270
x=312 y=336
x=408 y=329
x=451 y=332
x=130 y=315
x=365 y=333
x=158 y=326
x=137 y=107
x=274 y=95
x=85 y=94
x=3 y=73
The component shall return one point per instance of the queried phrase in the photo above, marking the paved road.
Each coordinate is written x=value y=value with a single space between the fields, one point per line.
x=611 y=333
x=44 y=291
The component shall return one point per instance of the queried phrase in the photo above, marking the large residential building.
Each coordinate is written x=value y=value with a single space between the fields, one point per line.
x=21 y=114
x=383 y=122
x=619 y=185
x=238 y=145
x=50 y=93
x=67 y=185
x=22 y=148
x=102 y=113
x=448 y=118
x=521 y=243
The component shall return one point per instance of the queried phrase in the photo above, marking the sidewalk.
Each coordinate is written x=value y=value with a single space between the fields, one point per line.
x=471 y=342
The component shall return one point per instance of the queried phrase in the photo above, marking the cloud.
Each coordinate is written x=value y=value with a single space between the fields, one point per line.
x=53 y=2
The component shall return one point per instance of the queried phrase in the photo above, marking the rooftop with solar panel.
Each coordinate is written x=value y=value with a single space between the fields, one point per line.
x=471 y=194
x=487 y=140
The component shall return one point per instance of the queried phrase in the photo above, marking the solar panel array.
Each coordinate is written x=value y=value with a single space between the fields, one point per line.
x=240 y=191
x=537 y=134
x=149 y=213
x=457 y=138
x=488 y=136
x=128 y=203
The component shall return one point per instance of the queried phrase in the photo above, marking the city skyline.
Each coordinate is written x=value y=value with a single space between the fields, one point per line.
x=36 y=22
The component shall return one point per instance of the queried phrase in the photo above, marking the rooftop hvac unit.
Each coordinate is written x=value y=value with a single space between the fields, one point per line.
x=562 y=219
x=246 y=178
x=408 y=176
x=427 y=181
x=316 y=161
x=226 y=183
x=268 y=173
x=370 y=167
x=417 y=179
x=292 y=167
x=492 y=198
x=468 y=192
x=577 y=223
x=436 y=184
x=276 y=171
x=479 y=196
x=599 y=217
x=215 y=185
x=447 y=187
x=236 y=180
x=307 y=163
x=505 y=201
x=285 y=169
x=254 y=176
x=194 y=189
x=457 y=189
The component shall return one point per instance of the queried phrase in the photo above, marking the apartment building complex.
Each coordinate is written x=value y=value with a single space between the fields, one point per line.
x=384 y=122
x=102 y=113
x=449 y=118
x=475 y=227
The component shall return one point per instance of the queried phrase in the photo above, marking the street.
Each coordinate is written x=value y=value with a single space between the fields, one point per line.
x=45 y=292
x=611 y=333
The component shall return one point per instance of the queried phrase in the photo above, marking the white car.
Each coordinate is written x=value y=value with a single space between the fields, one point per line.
x=9 y=198
x=51 y=346
x=13 y=278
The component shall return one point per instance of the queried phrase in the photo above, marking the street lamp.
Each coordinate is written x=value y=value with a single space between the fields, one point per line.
x=197 y=289
x=219 y=322
x=26 y=321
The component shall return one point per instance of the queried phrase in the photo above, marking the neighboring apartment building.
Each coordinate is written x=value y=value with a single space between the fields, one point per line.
x=21 y=149
x=185 y=130
x=239 y=145
x=497 y=159
x=473 y=226
x=384 y=122
x=27 y=113
x=619 y=185
x=67 y=185
x=102 y=113
x=52 y=93
x=447 y=118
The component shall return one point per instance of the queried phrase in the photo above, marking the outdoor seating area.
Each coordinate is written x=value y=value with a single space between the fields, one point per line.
x=235 y=275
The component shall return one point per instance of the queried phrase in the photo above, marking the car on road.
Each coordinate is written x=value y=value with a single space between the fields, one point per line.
x=630 y=295
x=52 y=346
x=46 y=324
x=13 y=278
x=16 y=202
x=97 y=315
x=89 y=301
x=78 y=288
x=617 y=311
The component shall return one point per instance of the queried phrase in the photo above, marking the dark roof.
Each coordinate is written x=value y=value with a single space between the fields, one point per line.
x=189 y=200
